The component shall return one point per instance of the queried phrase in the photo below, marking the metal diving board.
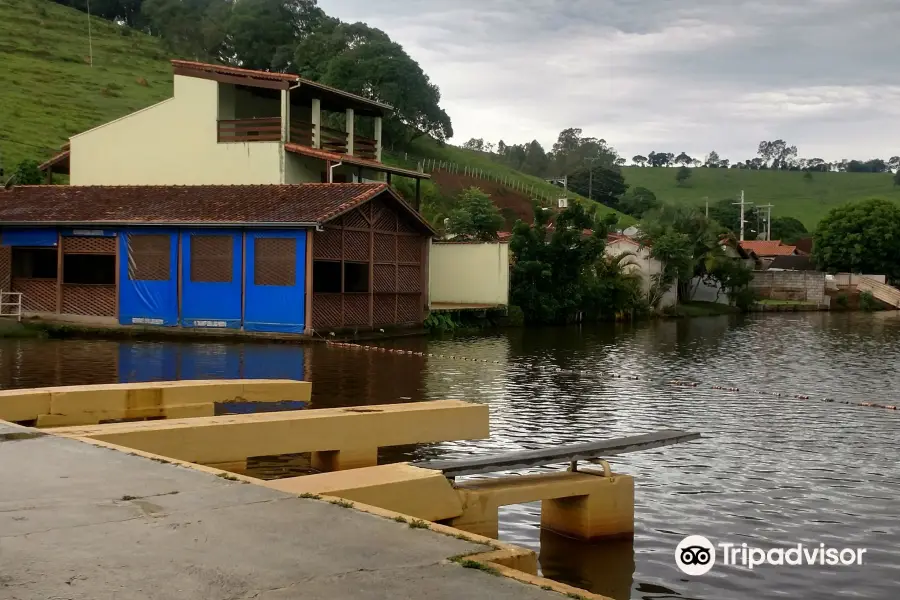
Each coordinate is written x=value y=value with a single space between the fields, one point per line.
x=590 y=451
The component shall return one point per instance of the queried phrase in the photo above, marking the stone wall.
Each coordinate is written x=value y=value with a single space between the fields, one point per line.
x=807 y=286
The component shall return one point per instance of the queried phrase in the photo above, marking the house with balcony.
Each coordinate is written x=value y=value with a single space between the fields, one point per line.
x=226 y=125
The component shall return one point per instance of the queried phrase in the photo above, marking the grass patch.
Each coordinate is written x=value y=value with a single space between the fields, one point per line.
x=575 y=596
x=48 y=83
x=419 y=524
x=342 y=503
x=792 y=194
x=127 y=498
x=310 y=496
x=468 y=563
x=400 y=519
x=228 y=476
x=20 y=435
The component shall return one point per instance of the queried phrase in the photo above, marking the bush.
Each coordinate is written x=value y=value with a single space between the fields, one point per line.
x=440 y=322
x=842 y=300
x=867 y=301
x=515 y=317
x=744 y=298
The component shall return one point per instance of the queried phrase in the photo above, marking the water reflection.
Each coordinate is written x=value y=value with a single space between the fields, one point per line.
x=769 y=471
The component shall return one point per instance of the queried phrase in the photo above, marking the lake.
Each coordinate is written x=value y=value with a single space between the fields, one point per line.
x=769 y=471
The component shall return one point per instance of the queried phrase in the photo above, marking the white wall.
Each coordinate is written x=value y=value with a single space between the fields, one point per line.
x=644 y=266
x=173 y=143
x=469 y=273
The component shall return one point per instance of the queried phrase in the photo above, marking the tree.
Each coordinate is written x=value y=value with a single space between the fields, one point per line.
x=28 y=173
x=365 y=61
x=620 y=162
x=733 y=278
x=897 y=178
x=683 y=159
x=860 y=237
x=712 y=160
x=553 y=277
x=536 y=162
x=474 y=144
x=637 y=201
x=778 y=152
x=476 y=217
x=572 y=150
x=660 y=159
x=727 y=214
x=639 y=160
x=683 y=240
x=894 y=163
x=695 y=163
x=788 y=229
x=603 y=184
x=682 y=175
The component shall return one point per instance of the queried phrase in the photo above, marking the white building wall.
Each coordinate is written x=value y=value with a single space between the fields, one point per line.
x=469 y=273
x=173 y=143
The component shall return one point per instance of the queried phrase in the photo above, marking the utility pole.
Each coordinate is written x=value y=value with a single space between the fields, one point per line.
x=768 y=220
x=590 y=162
x=742 y=203
x=90 y=37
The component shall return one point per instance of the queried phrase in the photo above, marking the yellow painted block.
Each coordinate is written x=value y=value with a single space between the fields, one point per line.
x=230 y=438
x=584 y=504
x=23 y=405
x=202 y=391
x=607 y=512
x=93 y=418
x=420 y=493
x=276 y=390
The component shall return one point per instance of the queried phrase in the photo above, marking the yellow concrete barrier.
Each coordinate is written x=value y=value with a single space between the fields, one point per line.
x=356 y=432
x=420 y=493
x=88 y=404
x=584 y=505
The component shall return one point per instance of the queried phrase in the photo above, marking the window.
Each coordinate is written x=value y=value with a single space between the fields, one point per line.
x=98 y=269
x=326 y=277
x=148 y=257
x=211 y=258
x=34 y=263
x=275 y=261
x=356 y=277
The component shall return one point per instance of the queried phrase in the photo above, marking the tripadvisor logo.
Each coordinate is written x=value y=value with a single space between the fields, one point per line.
x=696 y=555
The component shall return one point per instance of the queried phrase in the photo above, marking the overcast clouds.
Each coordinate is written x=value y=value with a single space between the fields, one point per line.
x=665 y=75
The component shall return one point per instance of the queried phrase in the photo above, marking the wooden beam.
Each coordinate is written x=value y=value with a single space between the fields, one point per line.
x=418 y=193
x=59 y=272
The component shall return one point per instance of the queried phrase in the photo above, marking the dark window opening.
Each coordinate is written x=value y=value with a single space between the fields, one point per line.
x=326 y=277
x=34 y=263
x=90 y=269
x=356 y=277
x=336 y=178
x=211 y=258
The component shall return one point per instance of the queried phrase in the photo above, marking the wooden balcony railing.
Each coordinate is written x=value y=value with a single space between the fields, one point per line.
x=333 y=140
x=250 y=130
x=365 y=147
x=301 y=133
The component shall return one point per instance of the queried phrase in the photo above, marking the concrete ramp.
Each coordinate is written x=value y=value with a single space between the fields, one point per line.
x=881 y=291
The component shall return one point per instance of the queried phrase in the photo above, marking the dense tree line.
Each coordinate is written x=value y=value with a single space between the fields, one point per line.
x=293 y=36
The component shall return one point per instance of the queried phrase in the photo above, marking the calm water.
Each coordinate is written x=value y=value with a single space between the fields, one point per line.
x=769 y=471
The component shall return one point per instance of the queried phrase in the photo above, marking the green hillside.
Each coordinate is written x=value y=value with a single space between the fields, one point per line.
x=49 y=91
x=791 y=194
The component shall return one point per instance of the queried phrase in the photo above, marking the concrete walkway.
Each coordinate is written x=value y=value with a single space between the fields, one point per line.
x=80 y=522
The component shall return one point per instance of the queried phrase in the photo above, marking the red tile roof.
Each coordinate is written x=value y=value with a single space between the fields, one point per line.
x=353 y=160
x=308 y=203
x=768 y=248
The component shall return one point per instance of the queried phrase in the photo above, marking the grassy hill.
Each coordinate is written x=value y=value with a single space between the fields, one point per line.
x=791 y=194
x=48 y=89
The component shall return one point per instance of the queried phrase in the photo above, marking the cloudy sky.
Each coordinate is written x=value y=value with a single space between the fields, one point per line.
x=664 y=75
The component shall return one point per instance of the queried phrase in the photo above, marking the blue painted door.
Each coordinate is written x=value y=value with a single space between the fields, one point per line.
x=275 y=281
x=148 y=277
x=211 y=278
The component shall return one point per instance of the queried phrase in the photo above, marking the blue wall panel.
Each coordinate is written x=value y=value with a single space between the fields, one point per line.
x=47 y=236
x=148 y=302
x=211 y=304
x=276 y=308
